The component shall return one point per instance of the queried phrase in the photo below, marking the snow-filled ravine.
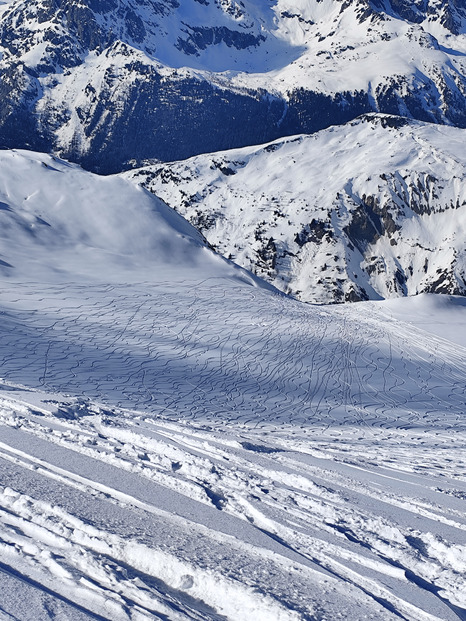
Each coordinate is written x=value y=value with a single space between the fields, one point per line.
x=179 y=441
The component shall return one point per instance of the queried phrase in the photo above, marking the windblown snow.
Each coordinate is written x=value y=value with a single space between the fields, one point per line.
x=180 y=441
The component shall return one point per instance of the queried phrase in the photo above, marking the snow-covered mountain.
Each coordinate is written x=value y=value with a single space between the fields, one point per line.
x=374 y=208
x=178 y=439
x=108 y=82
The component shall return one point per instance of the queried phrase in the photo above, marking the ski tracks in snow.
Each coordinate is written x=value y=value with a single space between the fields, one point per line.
x=299 y=465
x=136 y=517
x=163 y=348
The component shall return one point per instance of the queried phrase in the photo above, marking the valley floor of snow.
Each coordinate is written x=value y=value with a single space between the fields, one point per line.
x=207 y=449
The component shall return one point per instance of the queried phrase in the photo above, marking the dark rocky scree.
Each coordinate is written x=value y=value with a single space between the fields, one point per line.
x=315 y=232
x=450 y=13
x=447 y=281
x=201 y=38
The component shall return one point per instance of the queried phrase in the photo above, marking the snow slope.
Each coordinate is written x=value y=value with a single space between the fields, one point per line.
x=178 y=444
x=442 y=315
x=61 y=223
x=373 y=208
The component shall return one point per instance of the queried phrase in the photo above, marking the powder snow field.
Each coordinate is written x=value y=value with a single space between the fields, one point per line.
x=178 y=441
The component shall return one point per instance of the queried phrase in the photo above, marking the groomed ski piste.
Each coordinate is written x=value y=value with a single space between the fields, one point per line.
x=180 y=441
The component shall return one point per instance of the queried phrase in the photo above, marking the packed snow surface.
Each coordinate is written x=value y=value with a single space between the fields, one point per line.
x=179 y=442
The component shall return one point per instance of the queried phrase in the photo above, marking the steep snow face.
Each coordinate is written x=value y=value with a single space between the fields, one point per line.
x=61 y=223
x=374 y=208
x=106 y=82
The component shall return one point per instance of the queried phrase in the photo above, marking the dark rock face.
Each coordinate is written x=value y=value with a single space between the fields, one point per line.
x=356 y=294
x=150 y=125
x=159 y=118
x=19 y=92
x=201 y=38
x=454 y=15
x=447 y=282
x=72 y=29
x=268 y=254
x=420 y=100
x=310 y=112
x=365 y=227
x=450 y=13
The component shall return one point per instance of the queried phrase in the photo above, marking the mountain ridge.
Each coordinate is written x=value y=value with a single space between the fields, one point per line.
x=104 y=84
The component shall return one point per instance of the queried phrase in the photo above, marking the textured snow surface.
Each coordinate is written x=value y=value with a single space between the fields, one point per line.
x=190 y=446
x=374 y=208
x=443 y=315
x=274 y=459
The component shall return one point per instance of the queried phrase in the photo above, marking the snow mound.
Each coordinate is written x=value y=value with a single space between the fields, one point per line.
x=61 y=223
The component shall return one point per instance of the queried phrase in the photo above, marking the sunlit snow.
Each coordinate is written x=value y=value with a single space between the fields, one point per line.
x=180 y=441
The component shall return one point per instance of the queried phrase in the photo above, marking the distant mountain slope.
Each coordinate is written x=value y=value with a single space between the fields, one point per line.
x=104 y=83
x=60 y=223
x=374 y=208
